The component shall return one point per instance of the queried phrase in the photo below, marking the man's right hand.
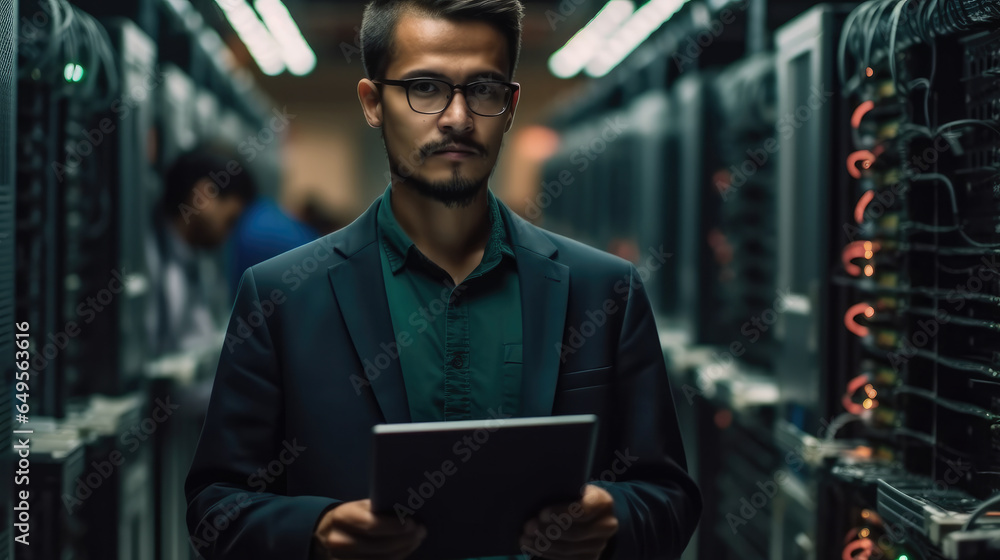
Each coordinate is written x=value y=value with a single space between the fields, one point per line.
x=351 y=531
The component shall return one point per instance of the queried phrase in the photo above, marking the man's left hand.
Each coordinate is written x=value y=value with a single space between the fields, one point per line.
x=579 y=530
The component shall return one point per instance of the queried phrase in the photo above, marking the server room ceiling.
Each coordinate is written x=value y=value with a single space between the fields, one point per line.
x=331 y=27
x=332 y=30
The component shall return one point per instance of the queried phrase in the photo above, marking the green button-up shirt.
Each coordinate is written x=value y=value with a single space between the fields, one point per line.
x=459 y=346
x=461 y=350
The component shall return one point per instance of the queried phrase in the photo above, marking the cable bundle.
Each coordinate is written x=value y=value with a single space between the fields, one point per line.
x=58 y=39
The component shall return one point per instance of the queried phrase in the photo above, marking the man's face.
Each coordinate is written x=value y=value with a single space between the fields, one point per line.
x=448 y=156
x=214 y=219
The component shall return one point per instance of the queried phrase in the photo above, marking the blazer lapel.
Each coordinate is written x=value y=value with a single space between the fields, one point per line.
x=544 y=294
x=360 y=291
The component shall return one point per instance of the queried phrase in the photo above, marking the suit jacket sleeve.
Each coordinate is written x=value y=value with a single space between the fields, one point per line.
x=655 y=500
x=235 y=508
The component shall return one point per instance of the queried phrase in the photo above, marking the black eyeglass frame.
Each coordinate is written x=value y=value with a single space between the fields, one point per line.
x=514 y=87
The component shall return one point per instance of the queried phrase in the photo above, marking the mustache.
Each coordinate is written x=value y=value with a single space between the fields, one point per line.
x=429 y=149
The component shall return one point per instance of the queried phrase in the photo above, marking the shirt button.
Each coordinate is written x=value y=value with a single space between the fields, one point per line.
x=456 y=362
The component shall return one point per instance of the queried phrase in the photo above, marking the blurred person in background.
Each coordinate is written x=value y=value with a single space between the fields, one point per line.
x=205 y=191
x=267 y=229
x=320 y=217
x=295 y=379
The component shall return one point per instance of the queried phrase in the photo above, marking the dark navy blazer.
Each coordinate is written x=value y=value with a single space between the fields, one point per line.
x=307 y=369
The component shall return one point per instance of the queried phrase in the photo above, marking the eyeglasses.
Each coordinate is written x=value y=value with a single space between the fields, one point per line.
x=429 y=96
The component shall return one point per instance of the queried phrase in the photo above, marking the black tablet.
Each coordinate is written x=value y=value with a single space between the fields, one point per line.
x=474 y=483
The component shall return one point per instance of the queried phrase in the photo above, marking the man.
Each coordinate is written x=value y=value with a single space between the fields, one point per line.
x=438 y=303
x=319 y=216
x=202 y=200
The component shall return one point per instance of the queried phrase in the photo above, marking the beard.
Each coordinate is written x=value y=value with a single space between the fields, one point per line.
x=457 y=192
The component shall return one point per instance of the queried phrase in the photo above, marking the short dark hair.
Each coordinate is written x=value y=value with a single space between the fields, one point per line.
x=208 y=161
x=378 y=25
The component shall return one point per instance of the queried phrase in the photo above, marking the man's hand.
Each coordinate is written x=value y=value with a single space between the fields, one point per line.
x=579 y=530
x=351 y=530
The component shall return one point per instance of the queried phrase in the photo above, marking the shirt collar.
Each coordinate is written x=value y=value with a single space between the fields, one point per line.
x=398 y=244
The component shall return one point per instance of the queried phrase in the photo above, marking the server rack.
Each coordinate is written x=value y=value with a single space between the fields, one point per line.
x=877 y=231
x=919 y=157
x=176 y=119
x=810 y=179
x=41 y=176
x=700 y=312
x=110 y=354
x=119 y=514
x=744 y=244
x=656 y=207
x=811 y=187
